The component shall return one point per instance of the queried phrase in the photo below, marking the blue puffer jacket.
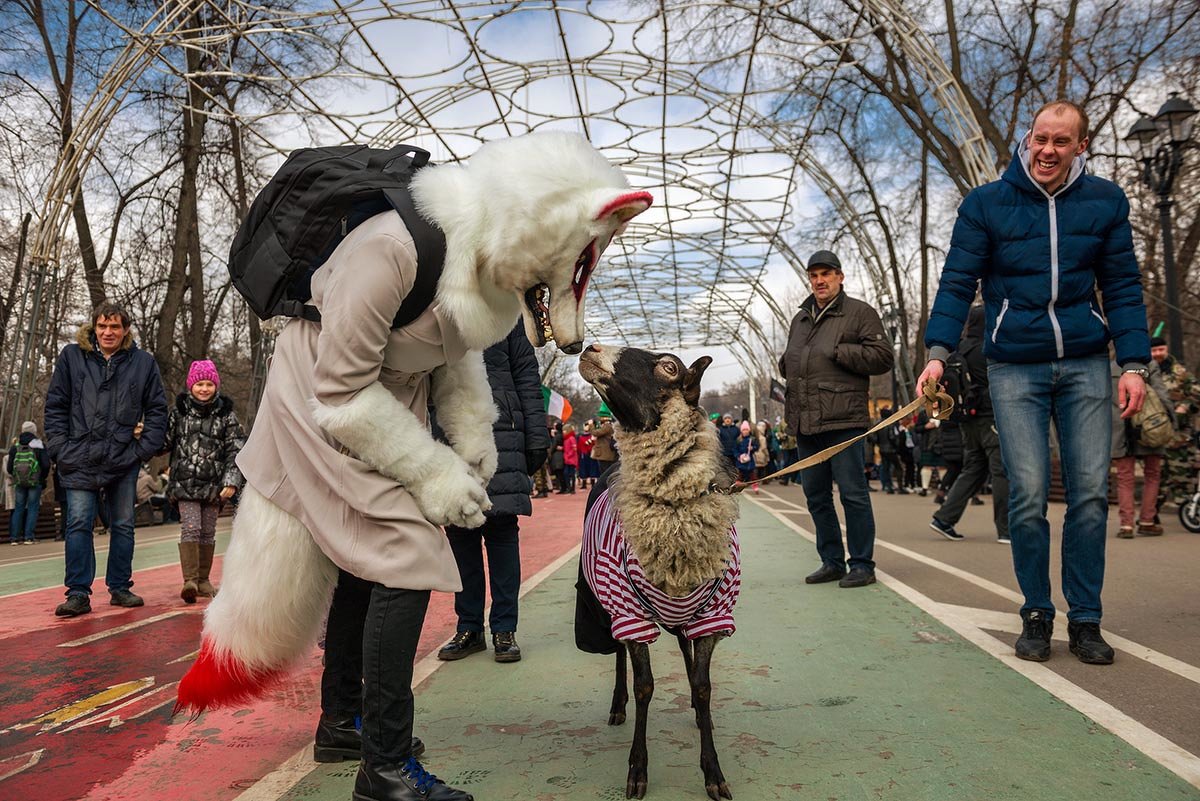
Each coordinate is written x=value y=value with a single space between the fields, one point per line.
x=92 y=407
x=1041 y=259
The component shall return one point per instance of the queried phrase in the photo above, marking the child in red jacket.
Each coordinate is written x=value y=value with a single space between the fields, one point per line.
x=570 y=458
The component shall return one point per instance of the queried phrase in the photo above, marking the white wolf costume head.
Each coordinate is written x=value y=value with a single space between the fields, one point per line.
x=525 y=222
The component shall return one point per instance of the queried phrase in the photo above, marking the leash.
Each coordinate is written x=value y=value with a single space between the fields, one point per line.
x=937 y=404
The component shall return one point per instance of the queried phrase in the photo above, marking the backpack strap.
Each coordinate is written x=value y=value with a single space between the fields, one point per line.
x=430 y=244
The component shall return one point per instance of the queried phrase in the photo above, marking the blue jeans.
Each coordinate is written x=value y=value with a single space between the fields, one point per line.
x=846 y=468
x=1077 y=395
x=25 y=512
x=82 y=506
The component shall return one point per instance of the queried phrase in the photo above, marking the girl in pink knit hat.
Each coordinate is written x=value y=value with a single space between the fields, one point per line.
x=203 y=437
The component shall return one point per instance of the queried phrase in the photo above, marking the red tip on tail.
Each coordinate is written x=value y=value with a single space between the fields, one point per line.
x=219 y=680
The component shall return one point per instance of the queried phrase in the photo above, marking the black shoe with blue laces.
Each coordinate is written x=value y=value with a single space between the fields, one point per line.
x=404 y=781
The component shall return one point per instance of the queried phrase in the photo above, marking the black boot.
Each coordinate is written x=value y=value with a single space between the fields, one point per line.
x=340 y=740
x=1034 y=642
x=825 y=573
x=463 y=644
x=1086 y=643
x=406 y=781
x=504 y=646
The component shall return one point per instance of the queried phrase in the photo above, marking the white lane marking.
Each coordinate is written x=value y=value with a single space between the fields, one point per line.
x=1008 y=623
x=100 y=635
x=1173 y=757
x=31 y=758
x=272 y=786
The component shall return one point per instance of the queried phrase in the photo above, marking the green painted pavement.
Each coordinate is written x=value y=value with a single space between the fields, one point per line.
x=823 y=693
x=47 y=571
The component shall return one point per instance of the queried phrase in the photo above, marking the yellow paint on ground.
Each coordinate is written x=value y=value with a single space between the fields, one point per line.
x=77 y=709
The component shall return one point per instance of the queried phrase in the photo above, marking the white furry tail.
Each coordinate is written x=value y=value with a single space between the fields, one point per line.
x=258 y=625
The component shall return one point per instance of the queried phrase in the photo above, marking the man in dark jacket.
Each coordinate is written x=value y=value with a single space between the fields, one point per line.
x=981 y=443
x=1043 y=240
x=29 y=467
x=835 y=344
x=522 y=442
x=102 y=386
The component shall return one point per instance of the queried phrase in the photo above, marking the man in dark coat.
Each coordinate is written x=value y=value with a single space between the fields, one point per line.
x=102 y=386
x=835 y=345
x=1046 y=241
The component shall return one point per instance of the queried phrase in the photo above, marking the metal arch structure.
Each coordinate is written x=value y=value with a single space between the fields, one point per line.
x=695 y=128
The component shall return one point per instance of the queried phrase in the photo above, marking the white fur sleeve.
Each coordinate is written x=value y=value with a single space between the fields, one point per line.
x=465 y=411
x=385 y=434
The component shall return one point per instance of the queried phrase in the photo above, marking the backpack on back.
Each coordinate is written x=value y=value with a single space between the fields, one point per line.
x=1152 y=423
x=316 y=198
x=26 y=469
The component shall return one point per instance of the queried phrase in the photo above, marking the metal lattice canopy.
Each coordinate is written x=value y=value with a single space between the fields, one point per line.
x=684 y=96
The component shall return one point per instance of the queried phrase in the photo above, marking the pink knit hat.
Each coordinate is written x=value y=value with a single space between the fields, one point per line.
x=745 y=427
x=203 y=370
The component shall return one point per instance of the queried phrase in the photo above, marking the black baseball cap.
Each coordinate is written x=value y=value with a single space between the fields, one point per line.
x=824 y=258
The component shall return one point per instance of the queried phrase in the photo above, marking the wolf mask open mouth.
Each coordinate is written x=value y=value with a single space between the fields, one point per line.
x=554 y=306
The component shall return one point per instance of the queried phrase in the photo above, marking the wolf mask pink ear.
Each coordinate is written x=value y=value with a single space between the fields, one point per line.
x=624 y=207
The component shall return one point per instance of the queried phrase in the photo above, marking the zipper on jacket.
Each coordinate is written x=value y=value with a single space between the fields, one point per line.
x=1058 y=338
x=999 y=319
x=1100 y=317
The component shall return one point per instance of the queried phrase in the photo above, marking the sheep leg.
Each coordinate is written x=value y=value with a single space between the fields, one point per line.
x=714 y=781
x=643 y=691
x=616 y=713
x=685 y=648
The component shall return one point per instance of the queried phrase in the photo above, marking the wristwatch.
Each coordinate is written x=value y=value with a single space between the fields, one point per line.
x=1142 y=372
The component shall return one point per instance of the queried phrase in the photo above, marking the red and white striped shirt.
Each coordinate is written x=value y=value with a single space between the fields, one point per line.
x=637 y=607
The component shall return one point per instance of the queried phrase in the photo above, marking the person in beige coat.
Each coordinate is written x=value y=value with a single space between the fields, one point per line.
x=343 y=476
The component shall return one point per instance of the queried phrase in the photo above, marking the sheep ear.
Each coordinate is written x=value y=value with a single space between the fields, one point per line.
x=691 y=383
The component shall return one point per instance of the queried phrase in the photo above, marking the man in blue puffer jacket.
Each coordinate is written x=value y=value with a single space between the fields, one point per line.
x=103 y=386
x=1043 y=239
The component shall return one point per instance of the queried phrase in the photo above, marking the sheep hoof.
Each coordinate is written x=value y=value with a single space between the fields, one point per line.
x=718 y=791
x=616 y=718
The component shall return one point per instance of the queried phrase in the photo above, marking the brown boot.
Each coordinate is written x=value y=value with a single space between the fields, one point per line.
x=204 y=586
x=189 y=563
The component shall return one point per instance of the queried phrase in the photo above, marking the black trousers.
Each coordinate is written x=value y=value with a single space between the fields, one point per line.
x=500 y=535
x=370 y=646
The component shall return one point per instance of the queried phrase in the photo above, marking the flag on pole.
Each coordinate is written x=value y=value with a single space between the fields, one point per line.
x=556 y=404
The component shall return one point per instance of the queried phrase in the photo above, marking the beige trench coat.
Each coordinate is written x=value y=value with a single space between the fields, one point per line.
x=364 y=521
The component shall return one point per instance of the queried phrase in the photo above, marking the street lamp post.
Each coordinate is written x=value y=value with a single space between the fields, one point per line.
x=1160 y=144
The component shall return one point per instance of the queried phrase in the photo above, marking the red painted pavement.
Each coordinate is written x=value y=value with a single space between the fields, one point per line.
x=129 y=747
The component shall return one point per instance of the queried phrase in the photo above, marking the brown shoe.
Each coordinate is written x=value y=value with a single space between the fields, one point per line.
x=1148 y=528
x=1125 y=533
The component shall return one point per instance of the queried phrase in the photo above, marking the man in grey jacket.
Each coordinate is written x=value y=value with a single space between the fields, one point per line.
x=835 y=344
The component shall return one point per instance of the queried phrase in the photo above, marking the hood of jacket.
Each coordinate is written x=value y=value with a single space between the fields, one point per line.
x=1017 y=171
x=30 y=439
x=85 y=337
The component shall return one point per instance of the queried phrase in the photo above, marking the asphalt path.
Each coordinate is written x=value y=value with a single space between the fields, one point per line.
x=1151 y=606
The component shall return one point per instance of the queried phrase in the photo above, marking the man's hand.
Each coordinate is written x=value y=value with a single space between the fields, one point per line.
x=933 y=370
x=227 y=493
x=1131 y=394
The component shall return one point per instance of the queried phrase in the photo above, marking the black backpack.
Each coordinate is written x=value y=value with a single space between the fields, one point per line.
x=959 y=386
x=316 y=198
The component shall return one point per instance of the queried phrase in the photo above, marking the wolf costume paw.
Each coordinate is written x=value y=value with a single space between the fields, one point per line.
x=450 y=494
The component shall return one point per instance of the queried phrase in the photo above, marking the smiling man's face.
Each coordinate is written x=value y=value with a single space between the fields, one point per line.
x=1054 y=142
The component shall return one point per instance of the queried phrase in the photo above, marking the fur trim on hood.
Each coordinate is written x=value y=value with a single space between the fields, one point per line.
x=85 y=337
x=680 y=534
